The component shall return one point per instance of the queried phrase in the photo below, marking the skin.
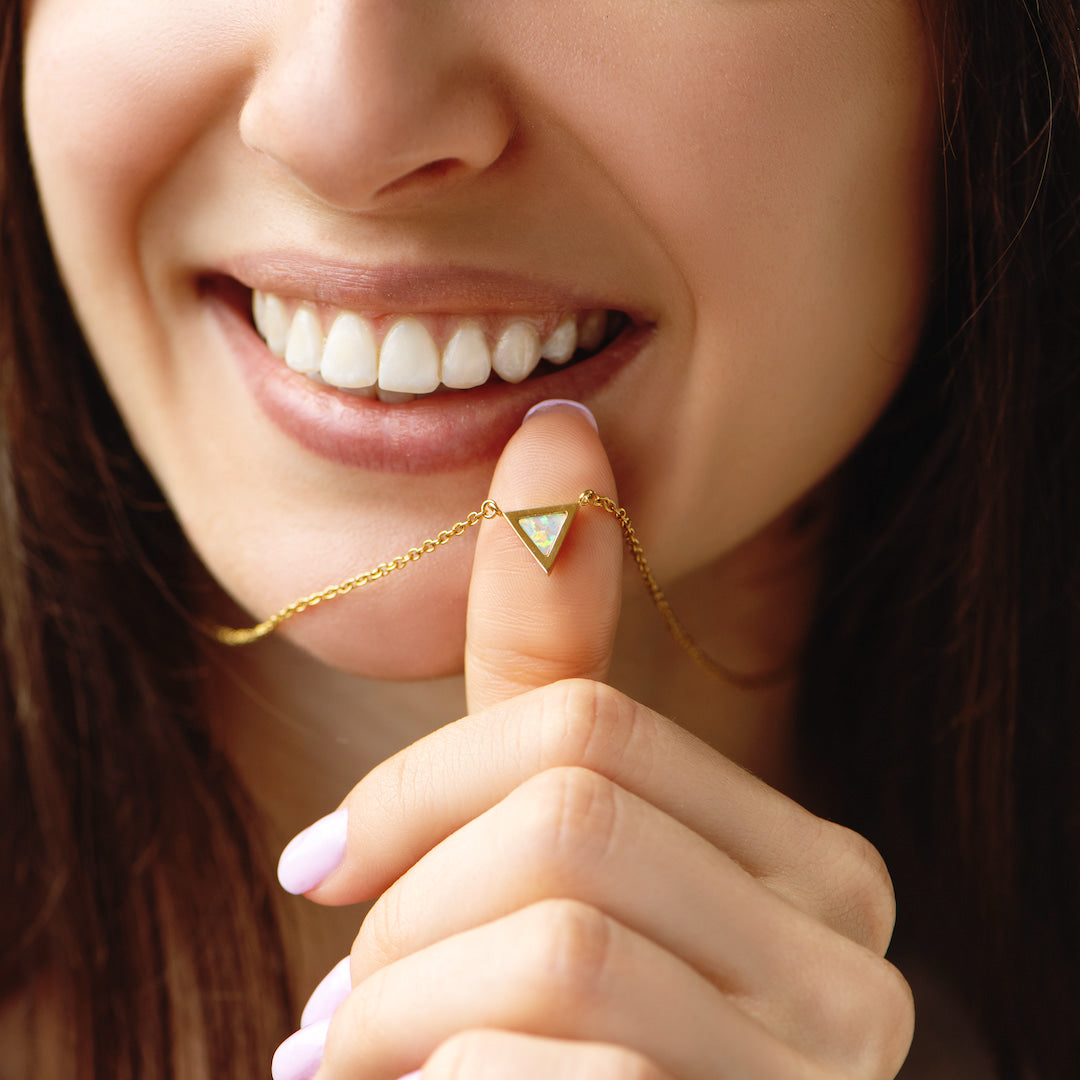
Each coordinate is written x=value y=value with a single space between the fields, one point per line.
x=768 y=208
x=583 y=866
x=757 y=178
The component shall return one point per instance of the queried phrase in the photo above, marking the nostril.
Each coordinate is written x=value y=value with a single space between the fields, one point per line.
x=434 y=172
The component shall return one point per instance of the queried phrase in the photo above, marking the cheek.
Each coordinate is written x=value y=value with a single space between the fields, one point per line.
x=789 y=174
x=113 y=92
x=777 y=139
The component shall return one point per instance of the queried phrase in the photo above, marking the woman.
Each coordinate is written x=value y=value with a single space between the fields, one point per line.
x=833 y=382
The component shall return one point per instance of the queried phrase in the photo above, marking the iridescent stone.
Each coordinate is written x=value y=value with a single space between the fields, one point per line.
x=543 y=530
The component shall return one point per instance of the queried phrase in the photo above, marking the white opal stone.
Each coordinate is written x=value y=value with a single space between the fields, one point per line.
x=544 y=530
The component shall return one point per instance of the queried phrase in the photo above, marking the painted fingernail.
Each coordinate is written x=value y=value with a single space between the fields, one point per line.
x=328 y=995
x=314 y=854
x=301 y=1054
x=562 y=403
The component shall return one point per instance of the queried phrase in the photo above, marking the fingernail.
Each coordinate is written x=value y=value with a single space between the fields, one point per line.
x=328 y=995
x=411 y=1076
x=561 y=403
x=315 y=854
x=301 y=1054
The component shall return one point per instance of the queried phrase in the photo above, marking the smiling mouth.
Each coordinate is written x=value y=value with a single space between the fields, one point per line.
x=401 y=357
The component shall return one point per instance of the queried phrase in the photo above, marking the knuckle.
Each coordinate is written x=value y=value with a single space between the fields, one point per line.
x=867 y=1025
x=570 y=947
x=859 y=900
x=566 y=823
x=394 y=783
x=376 y=945
x=895 y=1010
x=587 y=723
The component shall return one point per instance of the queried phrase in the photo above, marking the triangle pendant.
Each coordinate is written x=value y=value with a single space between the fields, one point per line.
x=542 y=530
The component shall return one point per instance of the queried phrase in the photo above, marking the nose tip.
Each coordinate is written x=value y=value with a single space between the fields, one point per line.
x=366 y=106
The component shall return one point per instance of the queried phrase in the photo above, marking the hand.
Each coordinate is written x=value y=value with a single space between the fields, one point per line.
x=572 y=886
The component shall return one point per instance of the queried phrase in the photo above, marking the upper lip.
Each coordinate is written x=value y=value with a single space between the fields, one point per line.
x=402 y=288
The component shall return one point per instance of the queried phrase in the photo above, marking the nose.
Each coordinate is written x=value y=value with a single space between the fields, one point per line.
x=375 y=103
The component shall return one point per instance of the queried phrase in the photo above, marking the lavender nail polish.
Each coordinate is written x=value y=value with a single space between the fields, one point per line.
x=314 y=854
x=558 y=403
x=328 y=995
x=301 y=1054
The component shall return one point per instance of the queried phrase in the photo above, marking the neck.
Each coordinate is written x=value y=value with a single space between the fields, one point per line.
x=750 y=611
x=300 y=736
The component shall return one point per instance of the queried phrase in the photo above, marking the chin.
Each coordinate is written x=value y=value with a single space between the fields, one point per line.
x=426 y=642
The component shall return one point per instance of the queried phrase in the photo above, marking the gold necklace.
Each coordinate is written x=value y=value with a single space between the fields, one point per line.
x=542 y=530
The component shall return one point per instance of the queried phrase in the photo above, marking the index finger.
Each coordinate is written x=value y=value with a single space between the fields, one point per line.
x=413 y=801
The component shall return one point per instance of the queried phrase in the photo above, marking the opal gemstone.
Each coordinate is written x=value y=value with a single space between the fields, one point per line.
x=543 y=530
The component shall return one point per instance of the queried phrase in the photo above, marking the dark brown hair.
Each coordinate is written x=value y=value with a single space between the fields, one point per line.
x=940 y=700
x=134 y=905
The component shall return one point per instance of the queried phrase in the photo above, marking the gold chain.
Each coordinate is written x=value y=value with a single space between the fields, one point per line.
x=488 y=510
x=679 y=632
x=249 y=634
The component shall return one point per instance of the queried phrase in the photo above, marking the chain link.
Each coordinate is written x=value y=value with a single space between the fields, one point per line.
x=488 y=510
x=708 y=664
x=228 y=636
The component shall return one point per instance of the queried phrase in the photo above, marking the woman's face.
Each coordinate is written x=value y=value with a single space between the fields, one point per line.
x=747 y=183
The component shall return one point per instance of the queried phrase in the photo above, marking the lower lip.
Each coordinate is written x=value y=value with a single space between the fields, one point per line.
x=435 y=434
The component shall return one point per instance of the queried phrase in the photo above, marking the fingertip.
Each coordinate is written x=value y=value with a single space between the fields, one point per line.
x=313 y=855
x=553 y=404
x=555 y=454
x=300 y=1055
x=328 y=996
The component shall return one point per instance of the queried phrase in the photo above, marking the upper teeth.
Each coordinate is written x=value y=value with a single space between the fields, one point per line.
x=408 y=361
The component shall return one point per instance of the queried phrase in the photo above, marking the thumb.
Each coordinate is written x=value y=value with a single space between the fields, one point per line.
x=525 y=628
